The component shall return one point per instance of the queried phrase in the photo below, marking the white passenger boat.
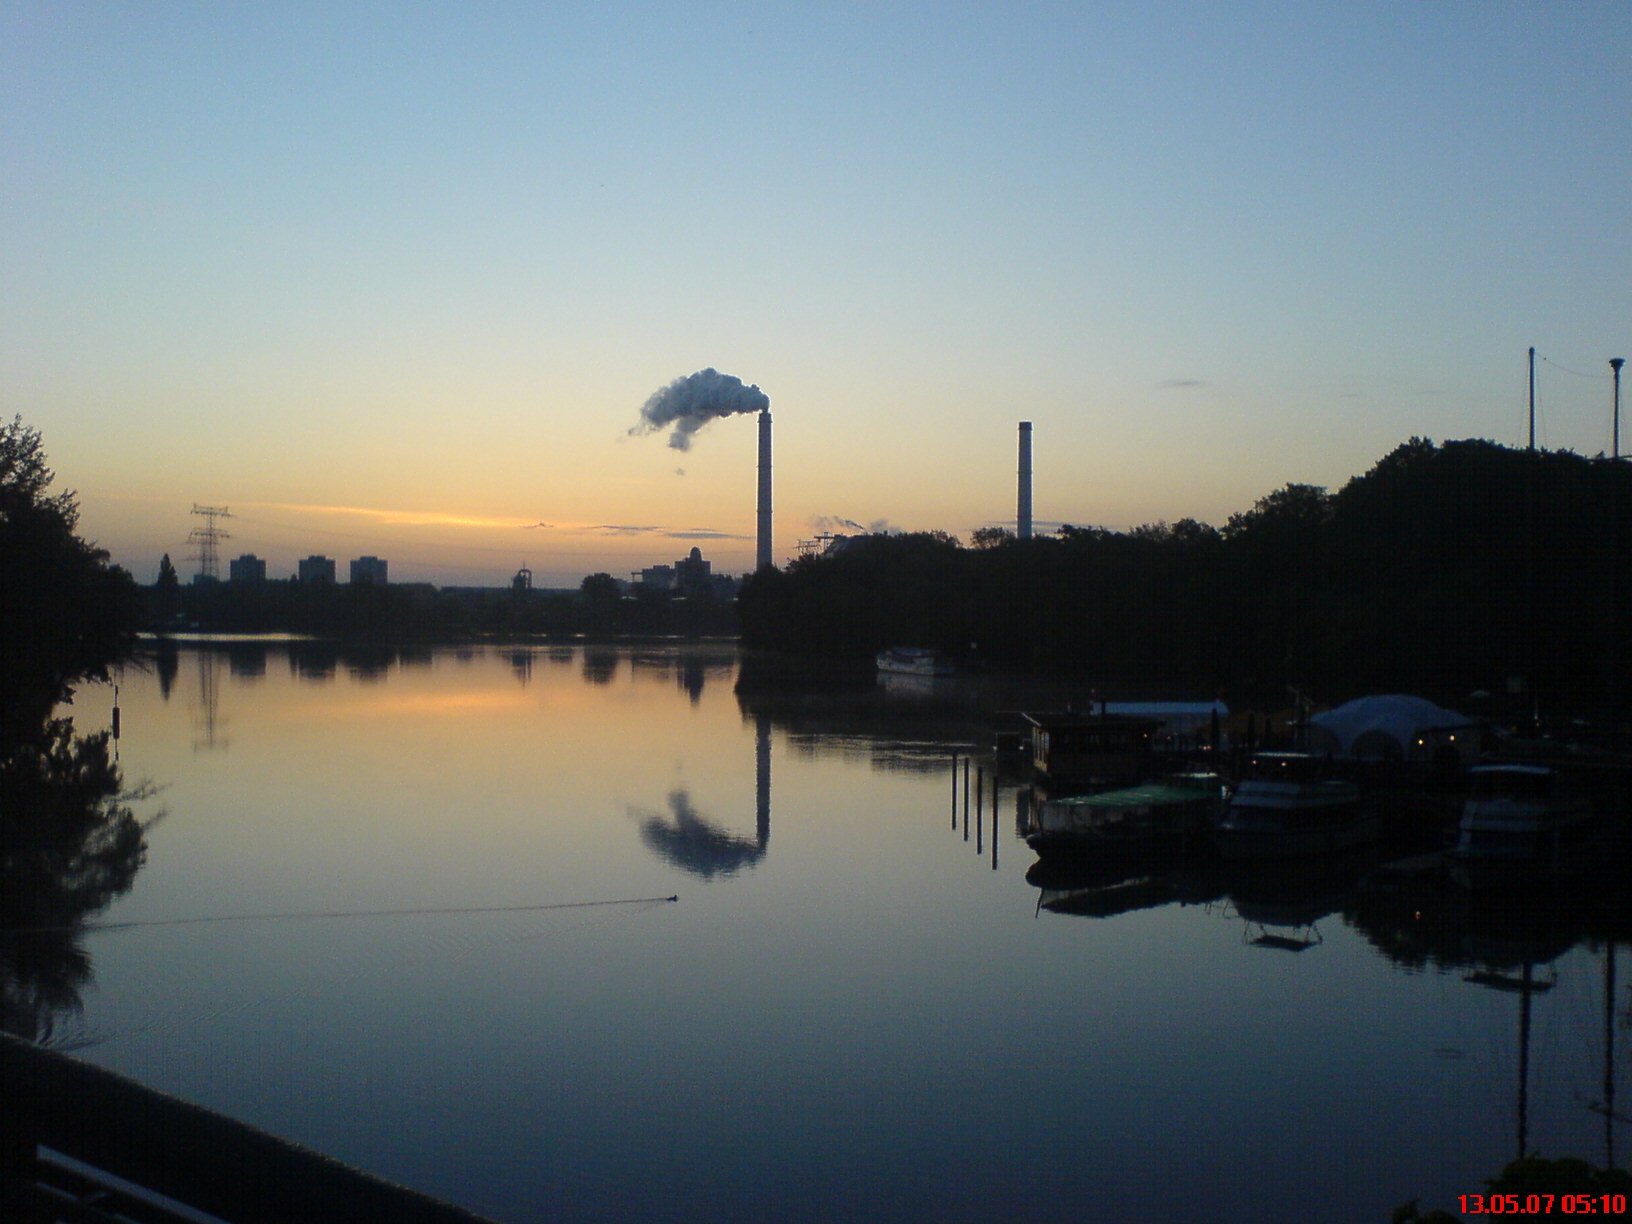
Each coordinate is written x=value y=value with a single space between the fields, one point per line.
x=913 y=661
x=1288 y=805
x=1522 y=825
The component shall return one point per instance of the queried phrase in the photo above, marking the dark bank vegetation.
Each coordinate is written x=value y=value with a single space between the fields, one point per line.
x=1443 y=570
x=66 y=613
x=69 y=841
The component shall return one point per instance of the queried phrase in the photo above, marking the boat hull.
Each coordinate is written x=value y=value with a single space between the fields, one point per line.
x=1547 y=851
x=1289 y=807
x=906 y=661
x=1522 y=828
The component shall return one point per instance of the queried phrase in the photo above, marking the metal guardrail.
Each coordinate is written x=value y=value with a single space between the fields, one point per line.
x=170 y=1149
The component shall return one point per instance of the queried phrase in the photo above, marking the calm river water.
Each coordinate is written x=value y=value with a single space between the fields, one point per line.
x=858 y=1008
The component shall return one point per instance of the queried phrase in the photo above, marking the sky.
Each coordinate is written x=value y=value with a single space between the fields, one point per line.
x=396 y=279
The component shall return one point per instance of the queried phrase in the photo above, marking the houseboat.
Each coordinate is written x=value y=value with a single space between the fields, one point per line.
x=1093 y=751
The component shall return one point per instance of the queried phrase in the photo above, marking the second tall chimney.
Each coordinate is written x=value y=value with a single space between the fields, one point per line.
x=1022 y=514
x=764 y=554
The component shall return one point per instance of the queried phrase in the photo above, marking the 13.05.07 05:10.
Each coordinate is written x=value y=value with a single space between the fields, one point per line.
x=1542 y=1204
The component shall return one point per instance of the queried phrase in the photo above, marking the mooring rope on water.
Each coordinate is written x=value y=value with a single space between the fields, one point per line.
x=300 y=915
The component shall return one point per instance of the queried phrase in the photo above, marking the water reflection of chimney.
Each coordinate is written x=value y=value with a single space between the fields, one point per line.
x=692 y=678
x=762 y=780
x=521 y=663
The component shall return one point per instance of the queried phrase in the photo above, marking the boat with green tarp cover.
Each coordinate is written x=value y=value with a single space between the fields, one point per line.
x=1162 y=816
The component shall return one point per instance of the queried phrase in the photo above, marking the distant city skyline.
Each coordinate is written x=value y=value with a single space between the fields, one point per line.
x=399 y=281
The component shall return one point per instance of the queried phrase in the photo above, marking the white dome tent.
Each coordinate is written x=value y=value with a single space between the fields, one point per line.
x=1394 y=727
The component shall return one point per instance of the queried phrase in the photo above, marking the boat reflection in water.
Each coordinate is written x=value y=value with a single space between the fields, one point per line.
x=1279 y=906
x=1280 y=909
x=1088 y=889
x=1516 y=944
x=1520 y=945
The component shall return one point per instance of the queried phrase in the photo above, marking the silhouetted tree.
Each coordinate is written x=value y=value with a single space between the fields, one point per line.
x=166 y=592
x=990 y=537
x=599 y=588
x=68 y=844
x=66 y=614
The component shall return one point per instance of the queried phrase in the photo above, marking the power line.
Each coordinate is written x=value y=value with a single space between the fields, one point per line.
x=1577 y=373
x=208 y=538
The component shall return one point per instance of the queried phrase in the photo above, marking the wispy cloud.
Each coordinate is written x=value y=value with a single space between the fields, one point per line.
x=1173 y=383
x=403 y=518
x=667 y=533
x=435 y=518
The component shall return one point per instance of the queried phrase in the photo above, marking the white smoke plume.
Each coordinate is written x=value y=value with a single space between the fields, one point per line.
x=834 y=522
x=691 y=402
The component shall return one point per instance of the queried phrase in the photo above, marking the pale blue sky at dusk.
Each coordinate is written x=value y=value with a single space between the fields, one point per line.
x=397 y=278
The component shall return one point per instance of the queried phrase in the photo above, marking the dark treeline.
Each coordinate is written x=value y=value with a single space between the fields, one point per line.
x=70 y=841
x=419 y=611
x=1443 y=570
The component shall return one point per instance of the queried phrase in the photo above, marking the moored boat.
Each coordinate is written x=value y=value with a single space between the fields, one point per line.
x=1522 y=825
x=913 y=661
x=1289 y=805
x=1163 y=817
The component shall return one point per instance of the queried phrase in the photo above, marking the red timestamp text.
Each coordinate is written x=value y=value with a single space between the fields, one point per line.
x=1542 y=1204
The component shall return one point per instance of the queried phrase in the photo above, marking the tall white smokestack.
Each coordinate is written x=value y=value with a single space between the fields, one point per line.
x=1022 y=513
x=764 y=557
